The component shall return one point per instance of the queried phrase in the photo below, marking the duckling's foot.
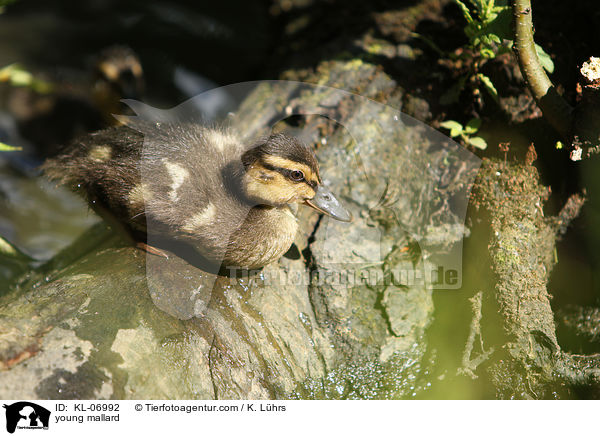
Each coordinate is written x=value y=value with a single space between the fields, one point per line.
x=152 y=250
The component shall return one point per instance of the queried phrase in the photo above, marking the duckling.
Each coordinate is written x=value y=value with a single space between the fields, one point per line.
x=200 y=185
x=118 y=75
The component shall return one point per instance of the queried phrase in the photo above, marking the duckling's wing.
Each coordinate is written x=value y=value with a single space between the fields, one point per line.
x=186 y=177
x=104 y=166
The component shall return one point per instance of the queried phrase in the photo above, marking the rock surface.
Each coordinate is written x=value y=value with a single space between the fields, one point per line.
x=107 y=322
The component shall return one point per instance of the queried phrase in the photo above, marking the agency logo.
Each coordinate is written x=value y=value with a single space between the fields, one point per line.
x=26 y=415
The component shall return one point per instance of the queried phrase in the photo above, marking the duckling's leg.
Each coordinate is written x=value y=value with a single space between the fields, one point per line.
x=152 y=250
x=125 y=231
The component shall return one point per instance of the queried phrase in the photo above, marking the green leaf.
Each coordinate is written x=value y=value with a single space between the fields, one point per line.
x=478 y=142
x=472 y=126
x=21 y=78
x=487 y=53
x=501 y=26
x=494 y=38
x=480 y=6
x=6 y=147
x=489 y=86
x=485 y=40
x=9 y=251
x=6 y=249
x=465 y=11
x=545 y=59
x=16 y=75
x=455 y=127
x=490 y=8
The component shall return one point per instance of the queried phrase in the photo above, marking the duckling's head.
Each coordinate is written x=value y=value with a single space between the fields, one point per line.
x=118 y=75
x=280 y=170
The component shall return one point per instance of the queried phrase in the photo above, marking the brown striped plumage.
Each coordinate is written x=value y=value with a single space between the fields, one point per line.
x=199 y=185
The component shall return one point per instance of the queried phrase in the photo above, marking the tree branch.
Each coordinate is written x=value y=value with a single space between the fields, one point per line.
x=555 y=109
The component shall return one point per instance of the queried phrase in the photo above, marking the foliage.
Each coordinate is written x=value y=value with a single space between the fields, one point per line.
x=466 y=132
x=4 y=3
x=9 y=251
x=6 y=147
x=489 y=33
x=16 y=75
x=487 y=26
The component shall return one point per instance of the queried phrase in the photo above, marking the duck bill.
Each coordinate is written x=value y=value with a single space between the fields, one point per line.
x=326 y=203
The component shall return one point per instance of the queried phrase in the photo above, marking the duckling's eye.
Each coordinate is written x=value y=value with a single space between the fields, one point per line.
x=296 y=175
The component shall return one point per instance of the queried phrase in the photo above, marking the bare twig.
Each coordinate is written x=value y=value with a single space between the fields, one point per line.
x=469 y=365
x=555 y=109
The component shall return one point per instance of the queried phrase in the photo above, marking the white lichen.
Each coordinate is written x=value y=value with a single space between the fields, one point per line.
x=591 y=70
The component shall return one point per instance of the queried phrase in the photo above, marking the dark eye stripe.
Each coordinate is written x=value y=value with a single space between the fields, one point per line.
x=286 y=173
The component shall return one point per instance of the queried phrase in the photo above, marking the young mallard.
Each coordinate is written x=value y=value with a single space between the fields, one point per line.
x=118 y=75
x=200 y=185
